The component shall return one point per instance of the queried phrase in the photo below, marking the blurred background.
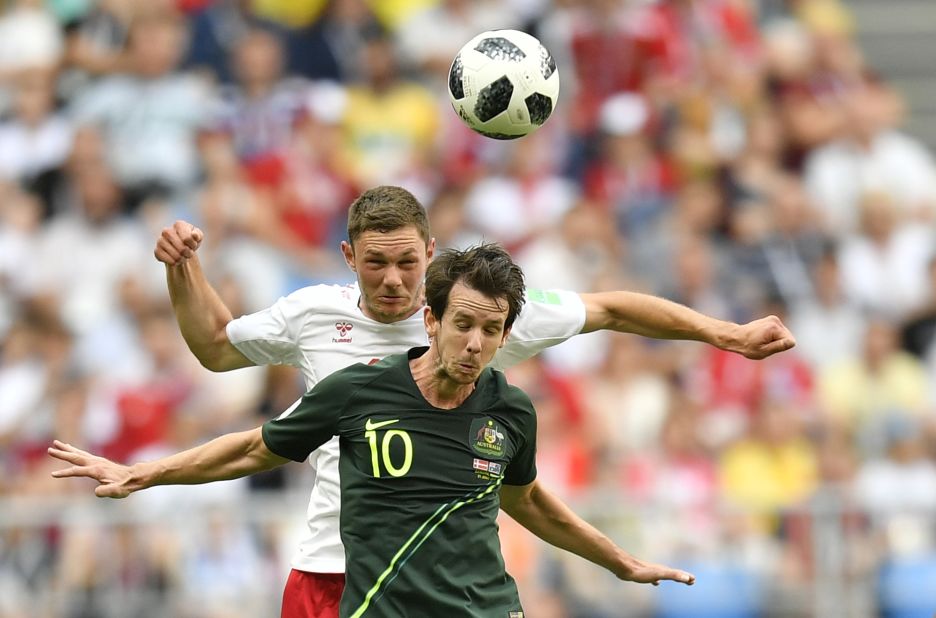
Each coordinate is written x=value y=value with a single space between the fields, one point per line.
x=742 y=157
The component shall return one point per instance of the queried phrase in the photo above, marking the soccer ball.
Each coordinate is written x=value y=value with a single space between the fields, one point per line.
x=503 y=84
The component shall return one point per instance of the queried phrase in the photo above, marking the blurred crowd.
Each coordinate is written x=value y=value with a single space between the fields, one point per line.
x=737 y=156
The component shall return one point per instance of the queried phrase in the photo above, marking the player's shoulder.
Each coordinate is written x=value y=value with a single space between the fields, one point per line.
x=345 y=383
x=546 y=311
x=514 y=398
x=323 y=297
x=362 y=373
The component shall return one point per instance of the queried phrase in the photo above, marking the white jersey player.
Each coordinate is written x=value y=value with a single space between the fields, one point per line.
x=322 y=329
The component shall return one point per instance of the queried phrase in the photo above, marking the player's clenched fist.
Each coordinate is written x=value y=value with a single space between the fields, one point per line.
x=764 y=337
x=178 y=243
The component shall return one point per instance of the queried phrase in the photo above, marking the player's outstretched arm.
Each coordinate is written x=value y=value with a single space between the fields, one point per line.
x=200 y=312
x=550 y=519
x=652 y=316
x=229 y=457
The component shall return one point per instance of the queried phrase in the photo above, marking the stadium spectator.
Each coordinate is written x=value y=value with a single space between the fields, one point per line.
x=675 y=471
x=260 y=109
x=36 y=139
x=573 y=254
x=149 y=115
x=629 y=399
x=389 y=122
x=20 y=218
x=216 y=29
x=30 y=39
x=525 y=196
x=308 y=181
x=331 y=47
x=96 y=43
x=830 y=326
x=898 y=489
x=629 y=177
x=429 y=38
x=863 y=393
x=868 y=158
x=770 y=469
x=66 y=274
x=884 y=267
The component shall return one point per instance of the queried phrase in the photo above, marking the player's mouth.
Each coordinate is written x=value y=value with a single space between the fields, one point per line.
x=467 y=367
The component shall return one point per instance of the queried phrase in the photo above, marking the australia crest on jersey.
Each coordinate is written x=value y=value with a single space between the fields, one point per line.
x=344 y=332
x=486 y=437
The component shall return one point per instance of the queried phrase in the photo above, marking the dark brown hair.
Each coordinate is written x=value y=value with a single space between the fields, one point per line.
x=385 y=209
x=486 y=268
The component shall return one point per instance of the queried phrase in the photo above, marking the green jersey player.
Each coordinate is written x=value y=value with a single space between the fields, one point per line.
x=432 y=444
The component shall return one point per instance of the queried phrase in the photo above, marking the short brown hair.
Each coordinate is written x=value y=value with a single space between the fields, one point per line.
x=487 y=268
x=384 y=209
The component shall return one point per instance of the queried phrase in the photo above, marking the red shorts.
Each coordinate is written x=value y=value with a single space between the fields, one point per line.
x=312 y=595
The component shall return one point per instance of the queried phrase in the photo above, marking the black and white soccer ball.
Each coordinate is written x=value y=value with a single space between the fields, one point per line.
x=503 y=84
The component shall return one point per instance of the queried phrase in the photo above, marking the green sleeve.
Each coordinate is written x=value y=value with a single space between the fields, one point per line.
x=522 y=467
x=313 y=420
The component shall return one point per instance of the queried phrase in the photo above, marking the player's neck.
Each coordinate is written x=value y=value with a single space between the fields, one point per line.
x=435 y=385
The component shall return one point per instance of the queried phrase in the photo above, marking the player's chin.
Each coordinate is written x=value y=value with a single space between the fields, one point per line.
x=394 y=310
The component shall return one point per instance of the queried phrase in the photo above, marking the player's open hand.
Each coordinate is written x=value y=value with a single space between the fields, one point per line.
x=762 y=338
x=178 y=243
x=114 y=478
x=642 y=572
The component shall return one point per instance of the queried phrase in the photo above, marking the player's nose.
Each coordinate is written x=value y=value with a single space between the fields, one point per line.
x=392 y=278
x=473 y=344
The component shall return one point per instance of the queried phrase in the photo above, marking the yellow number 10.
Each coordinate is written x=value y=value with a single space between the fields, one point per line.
x=388 y=437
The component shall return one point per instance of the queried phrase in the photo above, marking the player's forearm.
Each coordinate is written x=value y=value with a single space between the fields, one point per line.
x=202 y=317
x=659 y=318
x=550 y=519
x=230 y=456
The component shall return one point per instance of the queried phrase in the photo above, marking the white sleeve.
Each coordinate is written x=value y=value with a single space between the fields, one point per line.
x=549 y=317
x=271 y=336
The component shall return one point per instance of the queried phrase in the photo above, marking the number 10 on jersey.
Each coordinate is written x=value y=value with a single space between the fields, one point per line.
x=382 y=454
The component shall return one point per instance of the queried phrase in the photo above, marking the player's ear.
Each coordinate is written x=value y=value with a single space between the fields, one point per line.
x=432 y=325
x=504 y=337
x=430 y=249
x=347 y=251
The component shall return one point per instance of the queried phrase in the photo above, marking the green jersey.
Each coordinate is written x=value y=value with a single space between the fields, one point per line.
x=419 y=487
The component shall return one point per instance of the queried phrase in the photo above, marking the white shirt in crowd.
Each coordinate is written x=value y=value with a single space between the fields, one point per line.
x=890 y=279
x=149 y=125
x=839 y=174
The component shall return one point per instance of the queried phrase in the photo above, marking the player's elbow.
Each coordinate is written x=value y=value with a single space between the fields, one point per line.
x=219 y=357
x=211 y=362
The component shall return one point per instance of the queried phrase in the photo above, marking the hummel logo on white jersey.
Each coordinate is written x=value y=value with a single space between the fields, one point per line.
x=343 y=329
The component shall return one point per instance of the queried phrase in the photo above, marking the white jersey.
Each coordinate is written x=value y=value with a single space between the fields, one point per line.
x=320 y=329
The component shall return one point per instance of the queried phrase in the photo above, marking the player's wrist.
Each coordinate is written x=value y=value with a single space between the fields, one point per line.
x=724 y=335
x=625 y=565
x=141 y=476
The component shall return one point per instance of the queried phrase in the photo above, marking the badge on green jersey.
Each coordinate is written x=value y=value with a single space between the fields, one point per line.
x=486 y=437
